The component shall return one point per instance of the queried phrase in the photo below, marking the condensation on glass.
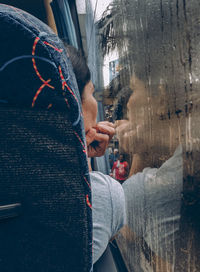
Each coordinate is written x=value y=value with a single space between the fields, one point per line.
x=153 y=96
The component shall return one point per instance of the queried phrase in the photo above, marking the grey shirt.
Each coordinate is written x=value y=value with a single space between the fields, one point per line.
x=108 y=211
x=153 y=200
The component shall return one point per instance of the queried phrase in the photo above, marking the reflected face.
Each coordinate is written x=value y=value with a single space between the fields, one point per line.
x=144 y=131
x=129 y=131
x=89 y=106
x=138 y=101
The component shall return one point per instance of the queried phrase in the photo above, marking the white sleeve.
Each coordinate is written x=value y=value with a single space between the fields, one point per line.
x=118 y=203
x=153 y=202
x=108 y=210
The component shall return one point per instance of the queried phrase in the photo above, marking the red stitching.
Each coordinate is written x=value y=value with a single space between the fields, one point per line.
x=80 y=141
x=34 y=45
x=62 y=78
x=88 y=201
x=71 y=92
x=61 y=75
x=50 y=105
x=87 y=182
x=64 y=83
x=39 y=91
x=59 y=50
x=34 y=64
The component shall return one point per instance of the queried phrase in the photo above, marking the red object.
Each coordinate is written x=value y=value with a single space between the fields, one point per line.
x=120 y=170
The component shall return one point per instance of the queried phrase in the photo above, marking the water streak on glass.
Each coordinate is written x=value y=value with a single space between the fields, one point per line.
x=149 y=66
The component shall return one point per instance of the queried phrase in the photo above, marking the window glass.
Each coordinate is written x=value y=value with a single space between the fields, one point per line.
x=64 y=21
x=149 y=65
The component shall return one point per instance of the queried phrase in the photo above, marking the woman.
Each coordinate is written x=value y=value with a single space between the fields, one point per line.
x=107 y=194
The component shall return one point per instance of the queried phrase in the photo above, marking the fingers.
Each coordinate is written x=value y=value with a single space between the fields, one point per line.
x=90 y=136
x=106 y=123
x=98 y=138
x=106 y=128
x=122 y=126
x=98 y=147
x=102 y=138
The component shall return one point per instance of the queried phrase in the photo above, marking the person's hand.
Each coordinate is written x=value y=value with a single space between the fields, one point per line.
x=123 y=129
x=131 y=136
x=98 y=138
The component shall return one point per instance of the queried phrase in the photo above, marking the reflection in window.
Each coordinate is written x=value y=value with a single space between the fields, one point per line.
x=153 y=97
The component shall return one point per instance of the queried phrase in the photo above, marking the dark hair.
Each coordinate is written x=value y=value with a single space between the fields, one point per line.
x=80 y=67
x=120 y=103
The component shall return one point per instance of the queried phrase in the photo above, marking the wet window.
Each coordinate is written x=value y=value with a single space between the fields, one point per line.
x=149 y=71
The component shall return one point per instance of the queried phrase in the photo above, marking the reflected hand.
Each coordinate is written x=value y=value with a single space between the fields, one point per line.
x=98 y=138
x=130 y=136
x=123 y=127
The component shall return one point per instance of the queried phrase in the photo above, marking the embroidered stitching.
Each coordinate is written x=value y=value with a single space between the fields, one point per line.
x=88 y=201
x=39 y=91
x=64 y=83
x=34 y=63
x=78 y=137
x=87 y=182
x=55 y=48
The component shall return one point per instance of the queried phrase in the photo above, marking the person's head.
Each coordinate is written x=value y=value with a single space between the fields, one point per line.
x=85 y=85
x=133 y=133
x=121 y=157
x=115 y=151
x=80 y=67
